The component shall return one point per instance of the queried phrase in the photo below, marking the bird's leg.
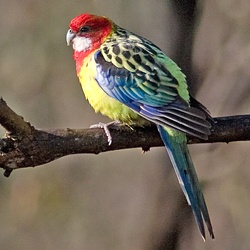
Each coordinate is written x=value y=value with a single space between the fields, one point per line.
x=105 y=127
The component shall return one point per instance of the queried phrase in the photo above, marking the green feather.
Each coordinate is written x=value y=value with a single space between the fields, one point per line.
x=140 y=56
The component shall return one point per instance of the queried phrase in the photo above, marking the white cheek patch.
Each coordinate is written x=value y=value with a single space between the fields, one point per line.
x=81 y=43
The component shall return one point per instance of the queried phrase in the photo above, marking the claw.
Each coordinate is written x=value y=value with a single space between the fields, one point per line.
x=105 y=127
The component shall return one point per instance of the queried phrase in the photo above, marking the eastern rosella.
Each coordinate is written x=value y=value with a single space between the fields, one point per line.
x=128 y=78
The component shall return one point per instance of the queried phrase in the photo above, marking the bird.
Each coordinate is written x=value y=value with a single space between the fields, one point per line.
x=132 y=81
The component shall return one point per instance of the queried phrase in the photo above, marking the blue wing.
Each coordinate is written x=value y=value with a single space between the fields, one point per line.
x=146 y=94
x=133 y=70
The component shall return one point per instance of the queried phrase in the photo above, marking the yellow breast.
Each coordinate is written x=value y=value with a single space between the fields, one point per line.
x=100 y=101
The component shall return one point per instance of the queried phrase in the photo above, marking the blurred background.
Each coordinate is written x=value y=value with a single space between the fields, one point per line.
x=126 y=199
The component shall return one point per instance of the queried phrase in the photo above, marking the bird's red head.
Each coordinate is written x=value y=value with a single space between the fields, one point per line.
x=87 y=32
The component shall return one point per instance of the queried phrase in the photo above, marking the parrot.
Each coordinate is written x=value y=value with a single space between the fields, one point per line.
x=132 y=81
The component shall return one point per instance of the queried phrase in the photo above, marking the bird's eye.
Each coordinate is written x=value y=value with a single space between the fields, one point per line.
x=85 y=29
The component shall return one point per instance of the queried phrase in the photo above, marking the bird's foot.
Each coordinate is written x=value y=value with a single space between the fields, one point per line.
x=105 y=127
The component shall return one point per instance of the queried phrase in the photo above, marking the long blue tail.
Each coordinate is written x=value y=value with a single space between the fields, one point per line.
x=179 y=154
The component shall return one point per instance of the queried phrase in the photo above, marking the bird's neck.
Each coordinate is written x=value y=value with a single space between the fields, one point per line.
x=80 y=58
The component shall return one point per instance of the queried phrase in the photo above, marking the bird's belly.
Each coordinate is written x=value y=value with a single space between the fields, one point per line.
x=104 y=104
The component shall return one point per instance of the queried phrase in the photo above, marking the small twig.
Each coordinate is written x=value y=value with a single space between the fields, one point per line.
x=13 y=122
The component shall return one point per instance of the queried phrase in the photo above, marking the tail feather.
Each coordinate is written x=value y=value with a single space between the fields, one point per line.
x=184 y=168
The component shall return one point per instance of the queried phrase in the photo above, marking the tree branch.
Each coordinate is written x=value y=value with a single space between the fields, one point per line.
x=25 y=146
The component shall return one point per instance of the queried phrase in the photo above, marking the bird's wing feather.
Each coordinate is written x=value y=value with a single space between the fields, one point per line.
x=134 y=73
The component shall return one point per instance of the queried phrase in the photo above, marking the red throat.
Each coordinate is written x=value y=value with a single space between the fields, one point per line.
x=101 y=28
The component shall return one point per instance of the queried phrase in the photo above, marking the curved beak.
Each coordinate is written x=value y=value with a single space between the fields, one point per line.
x=70 y=36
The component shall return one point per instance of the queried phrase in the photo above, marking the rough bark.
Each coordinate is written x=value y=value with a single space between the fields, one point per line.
x=26 y=146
